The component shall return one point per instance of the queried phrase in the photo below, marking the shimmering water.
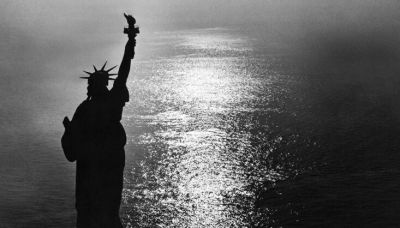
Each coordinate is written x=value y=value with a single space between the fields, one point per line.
x=231 y=135
x=225 y=131
x=194 y=116
x=189 y=115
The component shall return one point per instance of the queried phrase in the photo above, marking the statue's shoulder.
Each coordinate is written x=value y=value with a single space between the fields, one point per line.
x=83 y=105
x=120 y=92
x=81 y=109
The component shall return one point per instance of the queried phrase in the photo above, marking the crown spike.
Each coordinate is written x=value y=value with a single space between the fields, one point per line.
x=111 y=68
x=112 y=74
x=102 y=68
x=87 y=72
x=94 y=68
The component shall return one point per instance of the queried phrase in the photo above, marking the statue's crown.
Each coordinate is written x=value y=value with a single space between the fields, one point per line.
x=101 y=74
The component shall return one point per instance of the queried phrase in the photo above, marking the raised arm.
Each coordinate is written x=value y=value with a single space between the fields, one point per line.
x=129 y=52
x=125 y=66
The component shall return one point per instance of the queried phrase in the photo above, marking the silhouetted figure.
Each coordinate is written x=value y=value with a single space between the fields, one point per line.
x=95 y=139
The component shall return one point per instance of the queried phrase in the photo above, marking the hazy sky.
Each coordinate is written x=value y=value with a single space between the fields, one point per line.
x=63 y=17
x=38 y=31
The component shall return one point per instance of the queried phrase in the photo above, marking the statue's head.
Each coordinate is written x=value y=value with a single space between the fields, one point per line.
x=98 y=80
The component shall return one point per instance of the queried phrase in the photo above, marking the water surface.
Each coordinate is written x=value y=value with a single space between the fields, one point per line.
x=225 y=129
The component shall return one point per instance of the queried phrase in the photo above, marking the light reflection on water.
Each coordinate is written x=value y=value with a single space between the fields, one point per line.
x=196 y=150
x=224 y=135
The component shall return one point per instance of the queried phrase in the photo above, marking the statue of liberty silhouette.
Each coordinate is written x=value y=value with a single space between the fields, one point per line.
x=95 y=139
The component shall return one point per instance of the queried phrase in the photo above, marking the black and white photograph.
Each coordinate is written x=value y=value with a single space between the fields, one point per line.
x=199 y=113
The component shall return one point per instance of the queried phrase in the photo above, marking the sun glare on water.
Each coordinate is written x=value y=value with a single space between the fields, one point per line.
x=194 y=153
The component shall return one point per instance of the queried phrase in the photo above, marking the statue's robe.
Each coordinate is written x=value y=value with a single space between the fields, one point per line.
x=96 y=140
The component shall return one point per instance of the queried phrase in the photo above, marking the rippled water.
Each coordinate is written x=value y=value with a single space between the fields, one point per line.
x=233 y=136
x=193 y=116
x=223 y=131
